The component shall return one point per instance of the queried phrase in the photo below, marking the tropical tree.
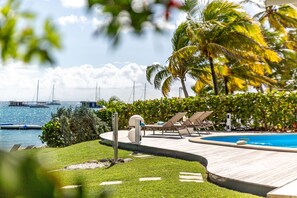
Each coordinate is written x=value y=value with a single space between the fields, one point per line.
x=285 y=70
x=19 y=40
x=182 y=63
x=277 y=17
x=279 y=23
x=222 y=30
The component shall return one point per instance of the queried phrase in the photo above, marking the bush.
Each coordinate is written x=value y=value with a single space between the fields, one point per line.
x=71 y=126
x=106 y=116
x=270 y=112
x=51 y=134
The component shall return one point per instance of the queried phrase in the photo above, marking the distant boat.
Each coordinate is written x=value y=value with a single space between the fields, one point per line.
x=18 y=104
x=38 y=104
x=54 y=102
x=90 y=104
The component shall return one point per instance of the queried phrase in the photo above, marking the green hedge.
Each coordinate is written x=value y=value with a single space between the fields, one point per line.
x=256 y=111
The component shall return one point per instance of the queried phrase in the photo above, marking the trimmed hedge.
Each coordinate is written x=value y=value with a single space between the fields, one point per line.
x=255 y=111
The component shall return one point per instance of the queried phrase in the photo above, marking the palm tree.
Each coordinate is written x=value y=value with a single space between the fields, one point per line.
x=278 y=17
x=279 y=25
x=222 y=30
x=182 y=63
x=285 y=70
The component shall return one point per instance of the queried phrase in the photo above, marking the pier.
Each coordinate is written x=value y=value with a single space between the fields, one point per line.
x=20 y=126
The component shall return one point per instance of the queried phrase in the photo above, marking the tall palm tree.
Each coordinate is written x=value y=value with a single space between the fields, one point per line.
x=182 y=63
x=278 y=17
x=223 y=30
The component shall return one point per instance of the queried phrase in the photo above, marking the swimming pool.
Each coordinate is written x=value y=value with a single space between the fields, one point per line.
x=275 y=140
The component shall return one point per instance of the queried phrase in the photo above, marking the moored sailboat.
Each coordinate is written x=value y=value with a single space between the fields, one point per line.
x=54 y=102
x=38 y=104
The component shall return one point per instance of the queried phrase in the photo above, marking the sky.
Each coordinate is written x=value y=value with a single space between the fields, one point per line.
x=87 y=61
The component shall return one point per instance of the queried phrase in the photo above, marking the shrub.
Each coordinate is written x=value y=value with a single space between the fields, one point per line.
x=274 y=111
x=71 y=126
x=52 y=134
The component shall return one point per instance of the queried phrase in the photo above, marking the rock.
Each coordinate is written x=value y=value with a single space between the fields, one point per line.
x=127 y=160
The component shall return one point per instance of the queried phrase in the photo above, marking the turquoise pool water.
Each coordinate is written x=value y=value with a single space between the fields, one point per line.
x=278 y=140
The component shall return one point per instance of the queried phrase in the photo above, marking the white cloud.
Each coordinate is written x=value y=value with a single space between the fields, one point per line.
x=81 y=20
x=73 y=3
x=18 y=82
x=72 y=19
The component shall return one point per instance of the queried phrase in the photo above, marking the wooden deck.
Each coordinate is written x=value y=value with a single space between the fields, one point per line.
x=247 y=170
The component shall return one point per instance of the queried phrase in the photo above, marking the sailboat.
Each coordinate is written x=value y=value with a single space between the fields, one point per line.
x=53 y=102
x=38 y=104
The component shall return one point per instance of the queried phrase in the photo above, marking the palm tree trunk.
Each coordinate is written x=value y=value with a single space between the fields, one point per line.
x=184 y=88
x=226 y=85
x=214 y=76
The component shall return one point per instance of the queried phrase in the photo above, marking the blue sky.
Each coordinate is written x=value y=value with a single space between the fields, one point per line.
x=86 y=60
x=77 y=26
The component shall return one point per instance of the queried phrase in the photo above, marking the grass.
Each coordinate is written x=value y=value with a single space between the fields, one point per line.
x=166 y=168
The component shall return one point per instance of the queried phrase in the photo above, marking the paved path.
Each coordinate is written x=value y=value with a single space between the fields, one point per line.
x=248 y=170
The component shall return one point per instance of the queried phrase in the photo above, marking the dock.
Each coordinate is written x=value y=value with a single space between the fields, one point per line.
x=20 y=126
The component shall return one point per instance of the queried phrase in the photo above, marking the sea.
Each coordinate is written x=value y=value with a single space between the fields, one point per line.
x=25 y=115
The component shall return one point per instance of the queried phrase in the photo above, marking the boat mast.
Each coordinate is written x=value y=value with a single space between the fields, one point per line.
x=96 y=94
x=53 y=96
x=37 y=91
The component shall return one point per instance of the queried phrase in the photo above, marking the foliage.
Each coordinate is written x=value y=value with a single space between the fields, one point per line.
x=134 y=15
x=71 y=126
x=166 y=168
x=23 y=176
x=110 y=106
x=211 y=30
x=53 y=134
x=182 y=64
x=106 y=116
x=274 y=111
x=279 y=23
x=19 y=40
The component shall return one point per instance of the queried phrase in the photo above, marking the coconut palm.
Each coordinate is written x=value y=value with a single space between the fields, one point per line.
x=183 y=63
x=278 y=17
x=223 y=30
x=285 y=70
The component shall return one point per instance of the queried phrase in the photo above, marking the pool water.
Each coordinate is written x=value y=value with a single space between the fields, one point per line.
x=278 y=140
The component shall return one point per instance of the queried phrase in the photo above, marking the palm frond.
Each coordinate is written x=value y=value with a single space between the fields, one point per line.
x=216 y=50
x=159 y=77
x=166 y=86
x=261 y=17
x=151 y=70
x=180 y=38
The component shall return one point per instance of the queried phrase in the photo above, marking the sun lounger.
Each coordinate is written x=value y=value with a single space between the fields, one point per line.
x=15 y=147
x=191 y=120
x=29 y=147
x=170 y=125
x=198 y=120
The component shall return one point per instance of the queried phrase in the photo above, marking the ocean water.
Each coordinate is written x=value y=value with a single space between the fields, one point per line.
x=25 y=115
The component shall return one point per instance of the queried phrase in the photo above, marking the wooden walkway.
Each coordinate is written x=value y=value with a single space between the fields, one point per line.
x=246 y=170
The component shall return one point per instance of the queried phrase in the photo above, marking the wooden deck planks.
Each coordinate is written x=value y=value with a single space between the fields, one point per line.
x=270 y=168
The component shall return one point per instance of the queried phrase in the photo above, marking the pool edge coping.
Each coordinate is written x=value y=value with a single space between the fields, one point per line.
x=245 y=146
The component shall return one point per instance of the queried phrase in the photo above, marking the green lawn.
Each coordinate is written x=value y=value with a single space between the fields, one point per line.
x=166 y=168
